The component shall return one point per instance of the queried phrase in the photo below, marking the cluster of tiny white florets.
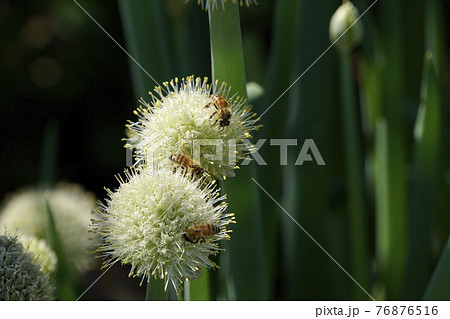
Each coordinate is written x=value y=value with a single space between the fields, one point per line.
x=213 y=4
x=143 y=222
x=42 y=253
x=24 y=213
x=20 y=276
x=156 y=218
x=177 y=121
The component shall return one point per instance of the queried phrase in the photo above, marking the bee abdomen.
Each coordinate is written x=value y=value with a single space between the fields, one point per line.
x=215 y=229
x=219 y=101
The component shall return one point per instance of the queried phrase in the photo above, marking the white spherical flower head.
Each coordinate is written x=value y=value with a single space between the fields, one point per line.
x=71 y=206
x=194 y=125
x=20 y=276
x=42 y=253
x=213 y=4
x=158 y=223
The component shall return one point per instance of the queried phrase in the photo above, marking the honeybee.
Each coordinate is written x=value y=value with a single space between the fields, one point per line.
x=188 y=163
x=223 y=111
x=197 y=233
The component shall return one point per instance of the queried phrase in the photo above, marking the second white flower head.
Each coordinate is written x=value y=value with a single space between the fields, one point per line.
x=144 y=223
x=182 y=119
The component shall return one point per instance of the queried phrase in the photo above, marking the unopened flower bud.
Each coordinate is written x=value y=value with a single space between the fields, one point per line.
x=345 y=28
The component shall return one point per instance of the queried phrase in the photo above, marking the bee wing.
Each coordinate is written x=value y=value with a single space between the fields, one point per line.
x=186 y=151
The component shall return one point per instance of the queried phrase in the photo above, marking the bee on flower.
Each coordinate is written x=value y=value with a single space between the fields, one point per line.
x=197 y=119
x=146 y=223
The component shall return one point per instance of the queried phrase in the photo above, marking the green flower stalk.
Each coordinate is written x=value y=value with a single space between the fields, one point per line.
x=345 y=26
x=213 y=4
x=183 y=120
x=20 y=276
x=71 y=205
x=144 y=223
x=42 y=253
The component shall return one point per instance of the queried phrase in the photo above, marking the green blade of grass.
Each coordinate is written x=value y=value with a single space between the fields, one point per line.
x=383 y=224
x=245 y=269
x=425 y=178
x=155 y=290
x=391 y=218
x=198 y=289
x=371 y=93
x=390 y=174
x=307 y=186
x=356 y=210
x=144 y=29
x=439 y=286
x=435 y=38
x=223 y=287
x=227 y=57
x=191 y=46
x=64 y=277
x=172 y=294
x=285 y=32
x=435 y=33
x=413 y=42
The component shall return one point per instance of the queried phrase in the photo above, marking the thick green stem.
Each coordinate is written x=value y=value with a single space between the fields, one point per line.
x=390 y=174
x=64 y=274
x=155 y=290
x=310 y=111
x=198 y=289
x=435 y=39
x=246 y=262
x=144 y=28
x=439 y=286
x=227 y=56
x=280 y=72
x=424 y=189
x=356 y=210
